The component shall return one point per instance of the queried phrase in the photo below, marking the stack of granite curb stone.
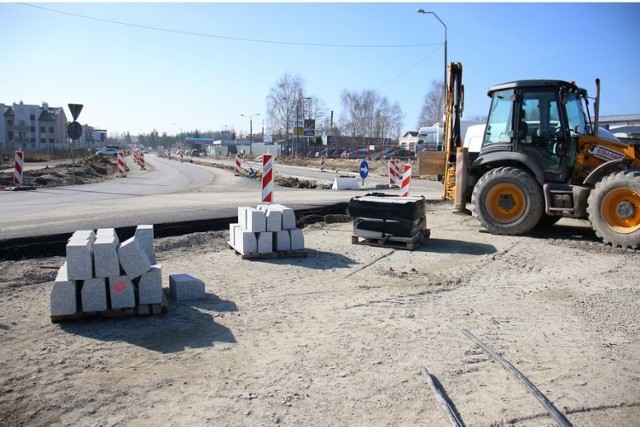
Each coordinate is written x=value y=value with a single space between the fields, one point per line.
x=103 y=276
x=266 y=230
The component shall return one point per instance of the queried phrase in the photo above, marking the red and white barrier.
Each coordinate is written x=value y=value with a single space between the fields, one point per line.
x=322 y=165
x=141 y=160
x=394 y=172
x=406 y=181
x=136 y=156
x=239 y=165
x=267 y=178
x=121 y=171
x=18 y=168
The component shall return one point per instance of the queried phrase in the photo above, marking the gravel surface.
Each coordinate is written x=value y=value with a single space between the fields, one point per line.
x=340 y=337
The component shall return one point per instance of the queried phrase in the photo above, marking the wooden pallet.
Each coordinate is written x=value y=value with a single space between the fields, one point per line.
x=408 y=243
x=140 y=310
x=270 y=255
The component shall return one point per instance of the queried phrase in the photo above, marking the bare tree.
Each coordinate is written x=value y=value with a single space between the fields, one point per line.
x=368 y=114
x=317 y=110
x=396 y=121
x=350 y=117
x=389 y=121
x=433 y=106
x=281 y=104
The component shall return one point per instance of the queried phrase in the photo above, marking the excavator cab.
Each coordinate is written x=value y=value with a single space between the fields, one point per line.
x=538 y=123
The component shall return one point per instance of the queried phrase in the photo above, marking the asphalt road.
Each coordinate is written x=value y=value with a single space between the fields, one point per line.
x=168 y=192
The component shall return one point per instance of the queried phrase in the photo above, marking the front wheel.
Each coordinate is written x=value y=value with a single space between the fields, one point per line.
x=614 y=209
x=508 y=200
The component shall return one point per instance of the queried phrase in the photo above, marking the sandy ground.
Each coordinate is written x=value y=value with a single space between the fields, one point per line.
x=340 y=337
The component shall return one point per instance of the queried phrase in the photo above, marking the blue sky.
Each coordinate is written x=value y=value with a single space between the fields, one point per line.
x=139 y=79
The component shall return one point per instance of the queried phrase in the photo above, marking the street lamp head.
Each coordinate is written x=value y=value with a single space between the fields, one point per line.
x=420 y=11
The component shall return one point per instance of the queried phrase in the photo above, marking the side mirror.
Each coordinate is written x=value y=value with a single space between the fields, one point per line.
x=564 y=96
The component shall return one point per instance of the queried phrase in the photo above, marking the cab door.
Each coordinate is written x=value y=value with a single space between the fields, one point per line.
x=542 y=133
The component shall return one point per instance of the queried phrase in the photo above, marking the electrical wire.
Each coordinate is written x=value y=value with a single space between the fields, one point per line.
x=407 y=70
x=241 y=39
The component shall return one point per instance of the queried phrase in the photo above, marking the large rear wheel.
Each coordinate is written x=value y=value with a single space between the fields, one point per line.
x=614 y=209
x=507 y=200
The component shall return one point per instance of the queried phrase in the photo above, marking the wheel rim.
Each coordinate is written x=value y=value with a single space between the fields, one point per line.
x=506 y=202
x=621 y=210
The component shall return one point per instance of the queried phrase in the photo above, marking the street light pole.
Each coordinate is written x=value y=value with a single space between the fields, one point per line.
x=296 y=129
x=444 y=99
x=303 y=123
x=251 y=116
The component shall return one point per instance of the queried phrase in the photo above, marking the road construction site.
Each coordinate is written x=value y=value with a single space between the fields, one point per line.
x=342 y=336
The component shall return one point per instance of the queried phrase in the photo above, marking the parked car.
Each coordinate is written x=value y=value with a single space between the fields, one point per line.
x=400 y=153
x=355 y=154
x=107 y=152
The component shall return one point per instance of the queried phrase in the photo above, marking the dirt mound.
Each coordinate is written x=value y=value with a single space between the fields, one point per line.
x=84 y=171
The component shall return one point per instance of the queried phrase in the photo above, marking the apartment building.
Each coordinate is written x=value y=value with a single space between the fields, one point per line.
x=32 y=127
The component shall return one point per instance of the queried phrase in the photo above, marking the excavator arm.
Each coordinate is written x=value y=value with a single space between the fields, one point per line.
x=444 y=162
x=452 y=137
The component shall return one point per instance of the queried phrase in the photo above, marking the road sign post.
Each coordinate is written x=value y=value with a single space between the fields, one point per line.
x=74 y=130
x=75 y=110
x=364 y=170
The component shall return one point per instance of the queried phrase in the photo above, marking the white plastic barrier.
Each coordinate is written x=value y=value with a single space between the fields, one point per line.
x=345 y=183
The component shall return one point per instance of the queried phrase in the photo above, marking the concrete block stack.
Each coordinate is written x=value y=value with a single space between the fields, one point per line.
x=266 y=229
x=102 y=274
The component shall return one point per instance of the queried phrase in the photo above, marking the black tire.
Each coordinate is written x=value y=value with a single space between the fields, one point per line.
x=614 y=209
x=548 y=220
x=507 y=200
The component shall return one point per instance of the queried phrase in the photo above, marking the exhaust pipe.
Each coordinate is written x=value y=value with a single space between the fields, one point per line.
x=596 y=109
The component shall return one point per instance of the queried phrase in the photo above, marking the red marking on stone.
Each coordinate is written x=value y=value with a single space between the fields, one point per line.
x=119 y=286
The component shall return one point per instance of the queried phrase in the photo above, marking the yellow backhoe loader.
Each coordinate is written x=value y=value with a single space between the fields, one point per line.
x=542 y=158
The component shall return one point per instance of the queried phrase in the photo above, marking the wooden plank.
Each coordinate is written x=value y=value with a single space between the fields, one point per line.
x=140 y=310
x=408 y=243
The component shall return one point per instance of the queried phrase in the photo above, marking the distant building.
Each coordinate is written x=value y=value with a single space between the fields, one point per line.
x=409 y=140
x=622 y=125
x=32 y=127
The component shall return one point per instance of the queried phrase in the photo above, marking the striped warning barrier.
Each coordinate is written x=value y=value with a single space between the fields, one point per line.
x=322 y=164
x=121 y=171
x=18 y=168
x=136 y=155
x=394 y=172
x=238 y=165
x=406 y=181
x=267 y=178
x=460 y=204
x=141 y=160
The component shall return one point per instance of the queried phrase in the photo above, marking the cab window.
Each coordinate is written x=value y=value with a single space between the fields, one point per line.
x=499 y=121
x=575 y=116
